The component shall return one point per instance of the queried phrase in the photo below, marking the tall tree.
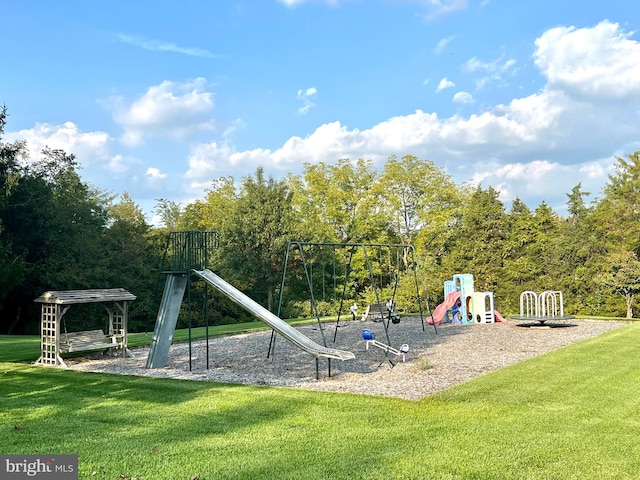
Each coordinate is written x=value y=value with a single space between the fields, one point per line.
x=479 y=240
x=419 y=200
x=617 y=222
x=580 y=255
x=132 y=259
x=622 y=277
x=13 y=267
x=547 y=248
x=56 y=223
x=618 y=211
x=255 y=241
x=168 y=212
x=421 y=206
x=521 y=263
x=337 y=204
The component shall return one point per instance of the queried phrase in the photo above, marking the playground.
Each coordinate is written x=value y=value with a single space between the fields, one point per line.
x=376 y=353
x=434 y=362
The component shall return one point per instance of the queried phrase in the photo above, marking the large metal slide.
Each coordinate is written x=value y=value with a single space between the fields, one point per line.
x=283 y=328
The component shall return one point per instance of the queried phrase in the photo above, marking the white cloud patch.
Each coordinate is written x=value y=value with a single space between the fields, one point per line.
x=599 y=63
x=463 y=97
x=119 y=164
x=306 y=97
x=155 y=174
x=213 y=160
x=494 y=70
x=90 y=148
x=162 y=46
x=171 y=109
x=444 y=84
x=442 y=44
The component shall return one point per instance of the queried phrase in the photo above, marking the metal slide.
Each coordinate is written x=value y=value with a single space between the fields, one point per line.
x=172 y=295
x=283 y=328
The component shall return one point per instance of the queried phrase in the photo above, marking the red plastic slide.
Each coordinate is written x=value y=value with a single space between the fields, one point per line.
x=441 y=310
x=499 y=318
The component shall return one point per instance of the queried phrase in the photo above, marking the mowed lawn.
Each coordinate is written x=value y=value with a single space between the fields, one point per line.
x=570 y=414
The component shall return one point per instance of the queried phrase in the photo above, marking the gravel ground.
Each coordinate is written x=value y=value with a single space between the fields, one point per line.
x=435 y=361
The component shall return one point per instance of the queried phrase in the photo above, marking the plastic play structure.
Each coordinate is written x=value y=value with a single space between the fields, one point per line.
x=463 y=305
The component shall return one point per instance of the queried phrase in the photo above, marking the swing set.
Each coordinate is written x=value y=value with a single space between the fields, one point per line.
x=313 y=257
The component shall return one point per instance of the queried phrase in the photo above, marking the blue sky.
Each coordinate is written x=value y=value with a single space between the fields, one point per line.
x=160 y=98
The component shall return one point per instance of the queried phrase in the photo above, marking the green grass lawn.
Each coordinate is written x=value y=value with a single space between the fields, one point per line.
x=570 y=414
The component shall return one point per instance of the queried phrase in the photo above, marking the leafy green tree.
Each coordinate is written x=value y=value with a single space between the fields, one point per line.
x=421 y=206
x=419 y=199
x=521 y=264
x=618 y=212
x=617 y=221
x=253 y=244
x=13 y=268
x=132 y=260
x=580 y=255
x=337 y=205
x=479 y=240
x=56 y=224
x=547 y=249
x=622 y=277
x=169 y=213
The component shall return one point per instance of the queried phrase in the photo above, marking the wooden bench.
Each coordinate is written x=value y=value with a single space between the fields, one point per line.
x=85 y=341
x=380 y=311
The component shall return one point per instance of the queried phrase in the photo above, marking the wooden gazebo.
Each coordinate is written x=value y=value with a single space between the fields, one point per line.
x=56 y=303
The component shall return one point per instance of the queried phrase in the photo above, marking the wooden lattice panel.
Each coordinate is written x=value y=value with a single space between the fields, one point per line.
x=49 y=350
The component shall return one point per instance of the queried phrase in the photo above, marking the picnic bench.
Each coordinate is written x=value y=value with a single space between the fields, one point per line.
x=86 y=341
x=381 y=311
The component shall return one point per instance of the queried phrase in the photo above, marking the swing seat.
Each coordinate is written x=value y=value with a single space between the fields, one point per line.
x=378 y=312
x=86 y=341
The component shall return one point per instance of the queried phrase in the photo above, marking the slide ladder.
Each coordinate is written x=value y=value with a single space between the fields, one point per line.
x=172 y=296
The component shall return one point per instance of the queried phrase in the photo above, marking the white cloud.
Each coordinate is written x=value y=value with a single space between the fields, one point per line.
x=544 y=180
x=306 y=96
x=444 y=84
x=600 y=63
x=463 y=97
x=160 y=46
x=442 y=44
x=495 y=69
x=90 y=148
x=171 y=109
x=155 y=174
x=119 y=164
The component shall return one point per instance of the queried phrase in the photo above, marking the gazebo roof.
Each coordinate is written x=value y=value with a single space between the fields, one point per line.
x=98 y=295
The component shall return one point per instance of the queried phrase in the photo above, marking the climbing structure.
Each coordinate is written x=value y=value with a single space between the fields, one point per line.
x=475 y=307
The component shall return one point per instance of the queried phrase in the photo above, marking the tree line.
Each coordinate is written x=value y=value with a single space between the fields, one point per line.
x=58 y=232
